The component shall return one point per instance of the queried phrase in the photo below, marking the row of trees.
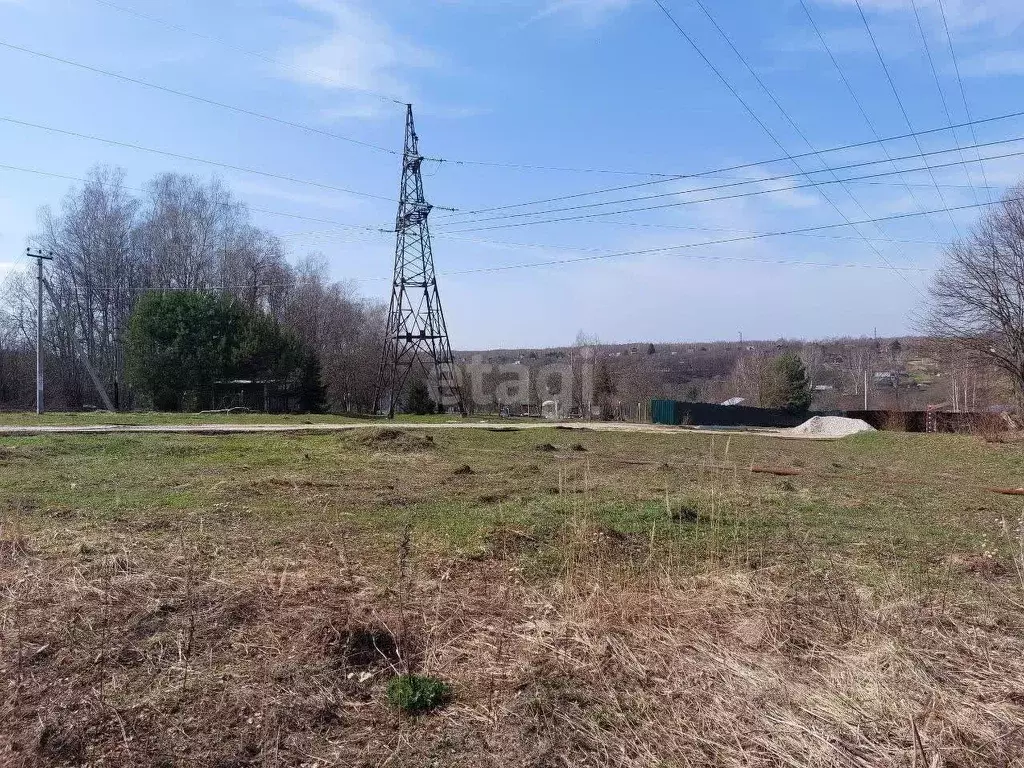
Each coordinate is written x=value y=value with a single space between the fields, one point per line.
x=183 y=235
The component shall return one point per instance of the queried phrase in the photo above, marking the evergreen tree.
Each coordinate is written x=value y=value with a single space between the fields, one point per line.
x=181 y=342
x=784 y=384
x=419 y=399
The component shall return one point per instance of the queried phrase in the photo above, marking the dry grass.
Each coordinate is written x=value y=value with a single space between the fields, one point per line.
x=152 y=658
x=197 y=641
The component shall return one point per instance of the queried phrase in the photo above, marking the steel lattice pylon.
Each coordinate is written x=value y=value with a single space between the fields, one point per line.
x=416 y=337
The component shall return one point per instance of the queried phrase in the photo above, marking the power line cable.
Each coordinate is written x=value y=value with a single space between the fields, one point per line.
x=245 y=51
x=903 y=110
x=200 y=99
x=724 y=241
x=556 y=168
x=741 y=166
x=190 y=158
x=314 y=219
x=744 y=182
x=738 y=195
x=942 y=95
x=328 y=234
x=685 y=227
x=792 y=123
x=314 y=129
x=385 y=97
x=856 y=99
x=759 y=236
x=963 y=92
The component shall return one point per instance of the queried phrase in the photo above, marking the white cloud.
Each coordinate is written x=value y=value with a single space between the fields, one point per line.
x=989 y=63
x=358 y=110
x=338 y=201
x=355 y=51
x=586 y=12
x=1002 y=16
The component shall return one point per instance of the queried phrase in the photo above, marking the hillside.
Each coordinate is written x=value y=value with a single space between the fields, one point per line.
x=902 y=373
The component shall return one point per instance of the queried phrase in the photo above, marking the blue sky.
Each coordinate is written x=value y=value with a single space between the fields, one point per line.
x=604 y=85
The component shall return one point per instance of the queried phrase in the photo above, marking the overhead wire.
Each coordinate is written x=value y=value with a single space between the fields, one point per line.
x=767 y=130
x=190 y=158
x=903 y=109
x=737 y=167
x=738 y=195
x=942 y=95
x=963 y=92
x=331 y=134
x=723 y=241
x=856 y=99
x=742 y=182
x=326 y=234
x=346 y=86
x=246 y=51
x=305 y=126
x=255 y=209
x=200 y=99
x=746 y=238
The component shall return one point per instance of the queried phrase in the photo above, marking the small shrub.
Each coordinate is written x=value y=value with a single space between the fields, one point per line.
x=415 y=694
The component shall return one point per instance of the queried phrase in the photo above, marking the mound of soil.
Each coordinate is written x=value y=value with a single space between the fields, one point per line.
x=396 y=441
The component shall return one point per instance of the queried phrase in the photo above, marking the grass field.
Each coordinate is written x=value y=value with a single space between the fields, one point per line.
x=591 y=598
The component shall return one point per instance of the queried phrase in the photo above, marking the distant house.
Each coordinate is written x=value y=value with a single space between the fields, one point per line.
x=891 y=378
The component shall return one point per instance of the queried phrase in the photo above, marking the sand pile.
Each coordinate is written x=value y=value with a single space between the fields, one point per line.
x=832 y=426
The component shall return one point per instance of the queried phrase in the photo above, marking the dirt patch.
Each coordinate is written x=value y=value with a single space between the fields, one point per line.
x=465 y=469
x=11 y=455
x=508 y=543
x=362 y=648
x=685 y=514
x=395 y=441
x=493 y=497
x=546 y=448
x=578 y=448
x=620 y=542
x=295 y=484
x=983 y=565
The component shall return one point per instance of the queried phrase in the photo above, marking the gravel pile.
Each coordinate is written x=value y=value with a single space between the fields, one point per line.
x=832 y=426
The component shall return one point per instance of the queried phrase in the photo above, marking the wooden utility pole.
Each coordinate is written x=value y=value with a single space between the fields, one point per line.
x=40 y=257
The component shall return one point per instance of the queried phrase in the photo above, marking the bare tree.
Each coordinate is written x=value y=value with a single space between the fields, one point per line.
x=747 y=376
x=977 y=297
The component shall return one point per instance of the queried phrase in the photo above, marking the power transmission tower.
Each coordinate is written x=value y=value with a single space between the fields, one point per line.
x=416 y=337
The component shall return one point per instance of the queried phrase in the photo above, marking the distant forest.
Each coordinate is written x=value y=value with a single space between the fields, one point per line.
x=906 y=373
